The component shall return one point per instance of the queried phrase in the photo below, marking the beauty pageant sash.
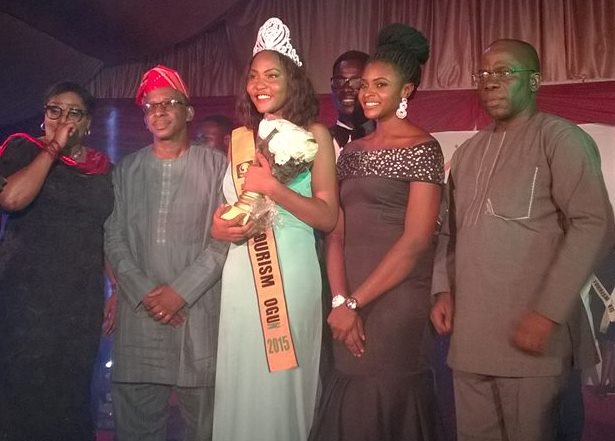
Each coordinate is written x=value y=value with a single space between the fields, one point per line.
x=275 y=323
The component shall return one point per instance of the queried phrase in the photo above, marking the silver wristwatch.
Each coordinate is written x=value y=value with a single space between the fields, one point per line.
x=338 y=300
x=351 y=303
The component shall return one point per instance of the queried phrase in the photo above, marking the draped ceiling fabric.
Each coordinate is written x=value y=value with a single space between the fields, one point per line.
x=44 y=41
x=46 y=61
x=108 y=44
x=575 y=39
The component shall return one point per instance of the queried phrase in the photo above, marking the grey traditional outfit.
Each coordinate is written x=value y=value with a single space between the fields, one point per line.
x=157 y=235
x=529 y=217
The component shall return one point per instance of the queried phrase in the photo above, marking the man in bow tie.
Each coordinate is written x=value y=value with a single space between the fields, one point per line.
x=351 y=123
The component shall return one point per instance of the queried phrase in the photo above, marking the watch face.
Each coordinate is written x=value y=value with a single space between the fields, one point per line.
x=338 y=300
x=351 y=303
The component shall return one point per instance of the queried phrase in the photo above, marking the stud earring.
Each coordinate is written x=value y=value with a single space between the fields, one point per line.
x=402 y=110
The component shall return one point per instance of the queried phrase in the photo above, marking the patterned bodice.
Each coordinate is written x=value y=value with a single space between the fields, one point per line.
x=422 y=162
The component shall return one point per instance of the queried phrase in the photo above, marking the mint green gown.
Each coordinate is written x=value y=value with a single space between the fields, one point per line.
x=252 y=404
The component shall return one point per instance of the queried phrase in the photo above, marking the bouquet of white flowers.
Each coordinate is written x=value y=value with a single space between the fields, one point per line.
x=290 y=150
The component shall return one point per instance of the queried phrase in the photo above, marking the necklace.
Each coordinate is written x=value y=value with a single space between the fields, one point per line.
x=76 y=155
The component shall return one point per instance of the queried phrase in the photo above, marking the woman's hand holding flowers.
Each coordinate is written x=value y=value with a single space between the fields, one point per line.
x=283 y=152
x=259 y=177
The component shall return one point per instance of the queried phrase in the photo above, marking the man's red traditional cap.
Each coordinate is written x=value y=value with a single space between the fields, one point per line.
x=157 y=77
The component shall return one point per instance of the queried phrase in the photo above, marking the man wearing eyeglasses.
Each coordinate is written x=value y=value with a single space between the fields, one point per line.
x=351 y=123
x=168 y=269
x=528 y=218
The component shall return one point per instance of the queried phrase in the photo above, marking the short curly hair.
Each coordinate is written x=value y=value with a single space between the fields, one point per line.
x=353 y=55
x=68 y=86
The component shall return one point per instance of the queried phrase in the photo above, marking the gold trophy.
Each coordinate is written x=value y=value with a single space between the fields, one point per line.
x=246 y=205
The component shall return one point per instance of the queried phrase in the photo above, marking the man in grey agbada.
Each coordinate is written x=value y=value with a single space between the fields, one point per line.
x=168 y=270
x=528 y=218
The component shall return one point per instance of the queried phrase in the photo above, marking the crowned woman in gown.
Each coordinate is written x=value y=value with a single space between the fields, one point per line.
x=270 y=322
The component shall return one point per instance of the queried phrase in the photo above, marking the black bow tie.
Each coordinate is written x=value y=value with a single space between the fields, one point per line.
x=342 y=135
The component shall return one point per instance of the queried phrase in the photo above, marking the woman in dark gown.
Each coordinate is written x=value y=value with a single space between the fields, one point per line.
x=379 y=261
x=57 y=196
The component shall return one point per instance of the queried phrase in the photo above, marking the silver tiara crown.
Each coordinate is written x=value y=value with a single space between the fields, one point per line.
x=274 y=35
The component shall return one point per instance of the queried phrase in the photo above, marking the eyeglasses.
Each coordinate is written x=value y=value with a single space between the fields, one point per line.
x=72 y=114
x=164 y=106
x=482 y=76
x=341 y=82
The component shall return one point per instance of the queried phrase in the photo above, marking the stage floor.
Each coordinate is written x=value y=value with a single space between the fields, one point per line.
x=599 y=411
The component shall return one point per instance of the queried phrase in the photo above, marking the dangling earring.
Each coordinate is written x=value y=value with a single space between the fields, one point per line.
x=43 y=126
x=87 y=132
x=402 y=111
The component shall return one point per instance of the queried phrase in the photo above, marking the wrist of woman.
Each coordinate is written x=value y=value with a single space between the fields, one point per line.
x=53 y=149
x=274 y=190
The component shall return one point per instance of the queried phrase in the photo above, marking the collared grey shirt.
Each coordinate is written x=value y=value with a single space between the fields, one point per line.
x=158 y=234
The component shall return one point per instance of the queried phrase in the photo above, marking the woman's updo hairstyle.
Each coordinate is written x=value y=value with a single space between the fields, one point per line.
x=405 y=48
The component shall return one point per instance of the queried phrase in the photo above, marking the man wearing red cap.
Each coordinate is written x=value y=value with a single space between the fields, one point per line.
x=168 y=269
